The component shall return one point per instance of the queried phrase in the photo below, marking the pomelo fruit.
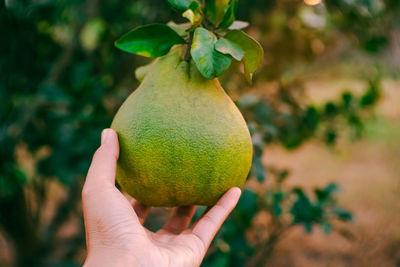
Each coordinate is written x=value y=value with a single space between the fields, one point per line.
x=182 y=139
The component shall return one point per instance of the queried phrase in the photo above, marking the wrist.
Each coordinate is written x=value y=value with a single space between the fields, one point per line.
x=110 y=258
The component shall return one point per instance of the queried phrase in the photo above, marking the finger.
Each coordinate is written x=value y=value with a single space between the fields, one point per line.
x=201 y=216
x=180 y=219
x=141 y=210
x=104 y=163
x=207 y=227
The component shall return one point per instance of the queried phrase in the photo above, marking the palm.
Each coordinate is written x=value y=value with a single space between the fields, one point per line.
x=177 y=250
x=172 y=244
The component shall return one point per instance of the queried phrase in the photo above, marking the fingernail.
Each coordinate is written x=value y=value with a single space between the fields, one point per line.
x=105 y=136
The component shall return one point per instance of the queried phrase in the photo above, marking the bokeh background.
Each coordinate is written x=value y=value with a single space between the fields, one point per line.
x=324 y=113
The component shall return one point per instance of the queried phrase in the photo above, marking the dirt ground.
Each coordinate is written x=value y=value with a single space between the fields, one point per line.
x=368 y=172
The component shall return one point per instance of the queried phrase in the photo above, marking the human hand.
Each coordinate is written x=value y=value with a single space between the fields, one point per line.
x=115 y=235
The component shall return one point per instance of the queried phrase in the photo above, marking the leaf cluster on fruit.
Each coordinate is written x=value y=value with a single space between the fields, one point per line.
x=213 y=38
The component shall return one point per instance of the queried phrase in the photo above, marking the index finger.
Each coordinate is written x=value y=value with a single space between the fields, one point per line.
x=207 y=227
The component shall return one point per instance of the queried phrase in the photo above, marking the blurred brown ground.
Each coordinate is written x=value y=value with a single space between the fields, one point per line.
x=368 y=172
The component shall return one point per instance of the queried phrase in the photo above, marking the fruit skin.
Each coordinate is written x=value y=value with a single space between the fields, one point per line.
x=182 y=139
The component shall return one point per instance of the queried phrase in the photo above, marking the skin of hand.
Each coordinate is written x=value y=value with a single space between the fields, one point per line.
x=115 y=235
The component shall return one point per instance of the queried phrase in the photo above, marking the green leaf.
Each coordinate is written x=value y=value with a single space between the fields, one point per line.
x=181 y=5
x=253 y=52
x=194 y=14
x=193 y=17
x=209 y=61
x=180 y=29
x=331 y=188
x=277 y=201
x=282 y=176
x=227 y=47
x=308 y=227
x=152 y=40
x=343 y=214
x=257 y=167
x=331 y=109
x=371 y=96
x=347 y=99
x=302 y=209
x=238 y=25
x=327 y=228
x=194 y=5
x=311 y=118
x=215 y=10
x=330 y=136
x=247 y=207
x=229 y=16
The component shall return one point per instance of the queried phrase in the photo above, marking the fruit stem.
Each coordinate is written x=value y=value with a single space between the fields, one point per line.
x=188 y=47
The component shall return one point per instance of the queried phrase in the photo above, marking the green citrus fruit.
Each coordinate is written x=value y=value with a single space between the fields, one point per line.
x=182 y=139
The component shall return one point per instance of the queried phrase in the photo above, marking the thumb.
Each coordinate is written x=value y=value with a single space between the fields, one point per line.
x=104 y=163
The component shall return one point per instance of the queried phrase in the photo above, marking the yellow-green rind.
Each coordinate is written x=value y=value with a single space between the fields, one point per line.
x=182 y=139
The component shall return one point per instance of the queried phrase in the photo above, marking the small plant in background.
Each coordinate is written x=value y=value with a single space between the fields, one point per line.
x=298 y=123
x=283 y=207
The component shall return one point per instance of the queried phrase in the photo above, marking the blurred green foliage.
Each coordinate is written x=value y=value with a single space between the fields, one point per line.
x=230 y=246
x=62 y=80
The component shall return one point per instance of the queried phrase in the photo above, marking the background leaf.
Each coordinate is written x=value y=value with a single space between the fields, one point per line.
x=181 y=5
x=253 y=52
x=343 y=214
x=229 y=16
x=215 y=10
x=258 y=169
x=152 y=40
x=209 y=61
x=194 y=14
x=227 y=47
